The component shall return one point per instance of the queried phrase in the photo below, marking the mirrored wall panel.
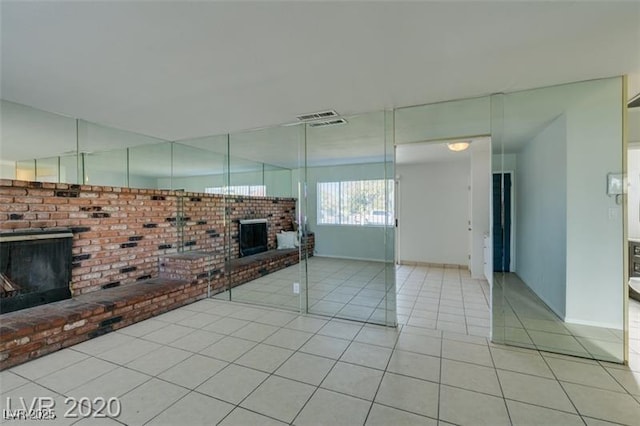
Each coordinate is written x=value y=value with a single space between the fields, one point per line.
x=350 y=212
x=390 y=300
x=442 y=174
x=200 y=169
x=25 y=170
x=24 y=127
x=48 y=169
x=114 y=157
x=265 y=256
x=559 y=275
x=499 y=216
x=69 y=168
x=150 y=166
x=105 y=168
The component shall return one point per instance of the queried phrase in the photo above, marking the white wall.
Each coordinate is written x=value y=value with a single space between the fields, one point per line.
x=506 y=162
x=434 y=212
x=541 y=203
x=481 y=184
x=595 y=275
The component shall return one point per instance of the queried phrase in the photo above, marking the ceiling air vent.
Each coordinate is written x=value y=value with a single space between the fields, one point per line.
x=325 y=123
x=317 y=115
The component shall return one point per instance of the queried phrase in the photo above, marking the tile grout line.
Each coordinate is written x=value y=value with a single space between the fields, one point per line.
x=562 y=387
x=317 y=387
x=269 y=375
x=504 y=400
x=384 y=373
x=440 y=375
x=273 y=373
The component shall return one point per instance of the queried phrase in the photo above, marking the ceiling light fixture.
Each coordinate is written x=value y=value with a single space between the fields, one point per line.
x=457 y=146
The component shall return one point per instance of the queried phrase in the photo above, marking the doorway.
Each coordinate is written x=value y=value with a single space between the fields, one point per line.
x=502 y=217
x=443 y=210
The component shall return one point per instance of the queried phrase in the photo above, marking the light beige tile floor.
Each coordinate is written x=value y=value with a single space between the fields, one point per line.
x=248 y=365
x=522 y=319
x=347 y=289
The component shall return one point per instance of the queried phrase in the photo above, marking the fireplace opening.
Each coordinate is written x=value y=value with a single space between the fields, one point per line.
x=35 y=268
x=253 y=236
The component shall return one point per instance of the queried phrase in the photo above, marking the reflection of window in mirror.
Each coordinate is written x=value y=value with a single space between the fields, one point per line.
x=249 y=190
x=358 y=203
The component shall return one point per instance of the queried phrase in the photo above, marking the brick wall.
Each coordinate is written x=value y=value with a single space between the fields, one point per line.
x=119 y=233
x=279 y=212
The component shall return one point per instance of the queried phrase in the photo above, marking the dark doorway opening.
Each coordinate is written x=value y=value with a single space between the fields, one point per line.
x=501 y=222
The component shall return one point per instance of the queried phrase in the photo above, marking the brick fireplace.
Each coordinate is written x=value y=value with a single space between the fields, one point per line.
x=120 y=233
x=124 y=245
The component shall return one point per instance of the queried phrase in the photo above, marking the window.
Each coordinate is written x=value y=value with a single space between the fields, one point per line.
x=252 y=190
x=356 y=202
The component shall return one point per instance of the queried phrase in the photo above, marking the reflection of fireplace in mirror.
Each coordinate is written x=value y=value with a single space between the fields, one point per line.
x=35 y=268
x=253 y=236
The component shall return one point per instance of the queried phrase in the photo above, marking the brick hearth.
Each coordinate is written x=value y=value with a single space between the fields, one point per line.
x=37 y=331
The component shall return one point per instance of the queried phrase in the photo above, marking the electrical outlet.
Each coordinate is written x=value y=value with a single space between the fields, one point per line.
x=296 y=288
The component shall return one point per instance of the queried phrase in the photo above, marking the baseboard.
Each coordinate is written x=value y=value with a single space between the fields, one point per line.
x=433 y=265
x=592 y=324
x=564 y=317
x=348 y=258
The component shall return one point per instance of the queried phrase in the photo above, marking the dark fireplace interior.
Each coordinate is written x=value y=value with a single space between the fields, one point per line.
x=35 y=268
x=253 y=236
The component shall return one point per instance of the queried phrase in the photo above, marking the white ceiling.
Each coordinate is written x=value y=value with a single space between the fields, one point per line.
x=359 y=140
x=177 y=70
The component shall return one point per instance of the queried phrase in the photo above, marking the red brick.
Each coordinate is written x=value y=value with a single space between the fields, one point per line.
x=42 y=208
x=40 y=193
x=55 y=200
x=15 y=224
x=14 y=208
x=28 y=200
